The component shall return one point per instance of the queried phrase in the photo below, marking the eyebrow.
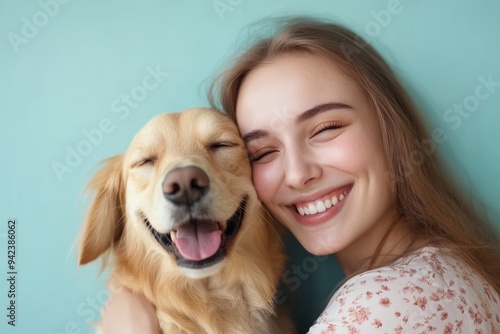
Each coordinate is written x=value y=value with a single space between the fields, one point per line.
x=310 y=113
x=253 y=135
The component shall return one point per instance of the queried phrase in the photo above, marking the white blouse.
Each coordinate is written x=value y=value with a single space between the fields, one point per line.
x=425 y=292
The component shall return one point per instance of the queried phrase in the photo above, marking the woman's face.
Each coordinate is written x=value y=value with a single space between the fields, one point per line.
x=316 y=148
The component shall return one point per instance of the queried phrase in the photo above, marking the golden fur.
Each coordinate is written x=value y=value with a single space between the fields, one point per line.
x=234 y=296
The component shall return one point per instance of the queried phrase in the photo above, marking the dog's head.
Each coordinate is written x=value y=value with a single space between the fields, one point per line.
x=183 y=187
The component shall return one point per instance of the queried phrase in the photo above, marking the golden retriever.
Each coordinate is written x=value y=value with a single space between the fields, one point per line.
x=180 y=215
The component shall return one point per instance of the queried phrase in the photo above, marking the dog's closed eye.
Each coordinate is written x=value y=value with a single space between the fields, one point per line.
x=146 y=161
x=220 y=144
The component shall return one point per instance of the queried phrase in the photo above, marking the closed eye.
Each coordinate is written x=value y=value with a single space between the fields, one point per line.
x=260 y=157
x=147 y=161
x=329 y=126
x=220 y=144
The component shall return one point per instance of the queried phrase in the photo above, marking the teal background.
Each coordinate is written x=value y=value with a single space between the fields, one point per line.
x=70 y=74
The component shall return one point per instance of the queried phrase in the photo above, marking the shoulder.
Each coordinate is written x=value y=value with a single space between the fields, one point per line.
x=420 y=291
x=410 y=279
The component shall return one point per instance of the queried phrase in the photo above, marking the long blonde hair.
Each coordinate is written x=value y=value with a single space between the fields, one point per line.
x=426 y=200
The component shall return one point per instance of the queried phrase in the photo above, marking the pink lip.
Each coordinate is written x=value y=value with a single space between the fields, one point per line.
x=319 y=218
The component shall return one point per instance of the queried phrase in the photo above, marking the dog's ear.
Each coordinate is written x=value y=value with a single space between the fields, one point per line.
x=103 y=224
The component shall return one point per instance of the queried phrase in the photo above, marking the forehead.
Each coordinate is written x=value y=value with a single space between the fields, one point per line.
x=179 y=130
x=290 y=85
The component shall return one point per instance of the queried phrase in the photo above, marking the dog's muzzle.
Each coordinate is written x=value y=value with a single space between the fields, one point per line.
x=200 y=243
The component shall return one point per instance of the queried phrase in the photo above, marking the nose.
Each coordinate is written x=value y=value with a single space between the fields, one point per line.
x=185 y=185
x=300 y=170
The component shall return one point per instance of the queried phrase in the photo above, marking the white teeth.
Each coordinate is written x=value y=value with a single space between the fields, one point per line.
x=173 y=235
x=312 y=209
x=334 y=200
x=321 y=206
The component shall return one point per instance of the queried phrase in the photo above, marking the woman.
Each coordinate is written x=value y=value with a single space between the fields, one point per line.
x=338 y=157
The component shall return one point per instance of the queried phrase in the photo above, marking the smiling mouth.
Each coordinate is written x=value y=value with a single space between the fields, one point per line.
x=321 y=205
x=200 y=243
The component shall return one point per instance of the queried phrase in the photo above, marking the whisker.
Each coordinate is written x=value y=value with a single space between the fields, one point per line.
x=273 y=223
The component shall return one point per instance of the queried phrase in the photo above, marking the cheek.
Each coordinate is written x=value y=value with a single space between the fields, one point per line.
x=350 y=153
x=266 y=181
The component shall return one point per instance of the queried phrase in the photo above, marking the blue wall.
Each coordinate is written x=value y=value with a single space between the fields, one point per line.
x=67 y=68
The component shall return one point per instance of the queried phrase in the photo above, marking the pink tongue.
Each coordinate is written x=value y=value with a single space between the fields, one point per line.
x=198 y=240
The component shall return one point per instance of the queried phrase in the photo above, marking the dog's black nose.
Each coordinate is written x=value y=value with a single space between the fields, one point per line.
x=185 y=185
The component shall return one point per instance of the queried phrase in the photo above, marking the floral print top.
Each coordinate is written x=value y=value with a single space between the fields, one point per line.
x=426 y=292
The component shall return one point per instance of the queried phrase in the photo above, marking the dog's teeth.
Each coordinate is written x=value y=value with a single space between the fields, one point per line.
x=173 y=235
